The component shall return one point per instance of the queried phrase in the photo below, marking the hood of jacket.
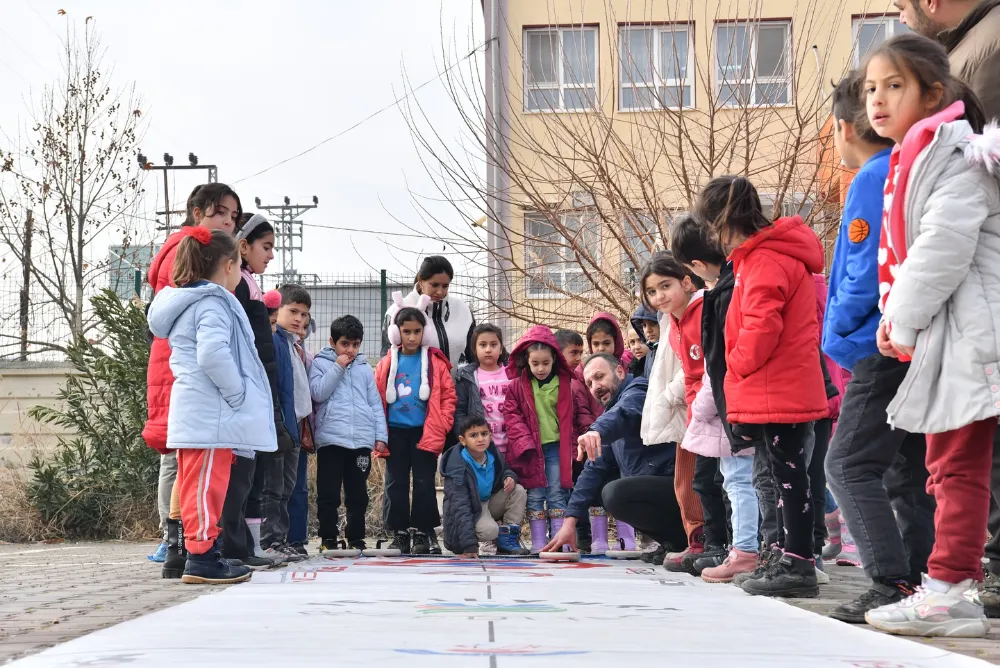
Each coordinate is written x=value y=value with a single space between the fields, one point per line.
x=643 y=314
x=787 y=236
x=536 y=334
x=950 y=38
x=157 y=265
x=172 y=302
x=619 y=339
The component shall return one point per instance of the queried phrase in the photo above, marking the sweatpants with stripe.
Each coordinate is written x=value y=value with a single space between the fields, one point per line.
x=202 y=479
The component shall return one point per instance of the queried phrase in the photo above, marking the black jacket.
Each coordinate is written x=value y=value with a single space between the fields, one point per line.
x=469 y=401
x=715 y=306
x=462 y=506
x=263 y=339
x=623 y=454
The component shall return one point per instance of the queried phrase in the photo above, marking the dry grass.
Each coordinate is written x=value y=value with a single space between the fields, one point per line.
x=19 y=521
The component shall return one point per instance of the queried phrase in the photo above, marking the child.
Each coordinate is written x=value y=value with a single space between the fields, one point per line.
x=646 y=325
x=480 y=490
x=571 y=345
x=604 y=335
x=221 y=396
x=350 y=422
x=545 y=411
x=939 y=280
x=215 y=206
x=677 y=294
x=481 y=386
x=877 y=472
x=418 y=397
x=774 y=383
x=295 y=401
x=637 y=346
x=241 y=515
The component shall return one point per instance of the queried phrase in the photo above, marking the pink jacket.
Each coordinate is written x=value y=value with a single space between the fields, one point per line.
x=705 y=435
x=838 y=375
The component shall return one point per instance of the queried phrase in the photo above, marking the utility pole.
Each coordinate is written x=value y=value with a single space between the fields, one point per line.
x=287 y=233
x=169 y=166
x=29 y=228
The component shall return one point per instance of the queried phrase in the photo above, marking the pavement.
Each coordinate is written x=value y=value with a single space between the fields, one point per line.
x=53 y=593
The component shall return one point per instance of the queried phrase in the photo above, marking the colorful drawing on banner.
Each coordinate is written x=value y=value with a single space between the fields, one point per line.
x=495 y=650
x=513 y=564
x=499 y=608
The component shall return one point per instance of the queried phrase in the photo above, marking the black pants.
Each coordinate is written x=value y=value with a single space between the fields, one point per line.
x=336 y=466
x=713 y=507
x=785 y=445
x=993 y=546
x=253 y=500
x=648 y=503
x=817 y=480
x=281 y=470
x=237 y=541
x=404 y=457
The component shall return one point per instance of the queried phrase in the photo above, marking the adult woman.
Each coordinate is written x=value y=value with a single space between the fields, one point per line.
x=448 y=317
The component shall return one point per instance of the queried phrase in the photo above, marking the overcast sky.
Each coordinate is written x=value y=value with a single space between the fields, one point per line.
x=248 y=84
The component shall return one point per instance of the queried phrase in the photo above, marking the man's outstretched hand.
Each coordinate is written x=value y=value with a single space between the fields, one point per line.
x=588 y=444
x=565 y=536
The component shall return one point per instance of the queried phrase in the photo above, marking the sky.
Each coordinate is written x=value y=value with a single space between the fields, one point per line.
x=246 y=85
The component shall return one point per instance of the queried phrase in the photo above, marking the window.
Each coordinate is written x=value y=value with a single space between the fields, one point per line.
x=653 y=65
x=640 y=231
x=560 y=69
x=870 y=31
x=753 y=64
x=551 y=257
x=791 y=205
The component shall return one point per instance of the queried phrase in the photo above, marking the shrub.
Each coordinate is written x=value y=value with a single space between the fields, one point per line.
x=101 y=482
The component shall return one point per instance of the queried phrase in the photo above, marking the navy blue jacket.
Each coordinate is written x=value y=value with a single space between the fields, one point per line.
x=462 y=506
x=623 y=455
x=286 y=384
x=852 y=314
x=642 y=314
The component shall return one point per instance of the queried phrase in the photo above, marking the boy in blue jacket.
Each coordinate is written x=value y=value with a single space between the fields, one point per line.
x=893 y=546
x=349 y=423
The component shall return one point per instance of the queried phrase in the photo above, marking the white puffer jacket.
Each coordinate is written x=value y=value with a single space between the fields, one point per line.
x=947 y=290
x=664 y=415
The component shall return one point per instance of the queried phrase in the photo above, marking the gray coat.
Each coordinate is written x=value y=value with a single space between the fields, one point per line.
x=946 y=294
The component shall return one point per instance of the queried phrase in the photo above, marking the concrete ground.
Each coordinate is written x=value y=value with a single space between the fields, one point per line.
x=52 y=593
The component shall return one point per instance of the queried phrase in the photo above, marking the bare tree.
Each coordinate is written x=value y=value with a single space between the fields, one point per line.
x=72 y=170
x=590 y=195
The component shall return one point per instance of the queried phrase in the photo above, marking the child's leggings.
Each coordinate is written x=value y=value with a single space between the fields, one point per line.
x=786 y=445
x=690 y=504
x=202 y=481
x=959 y=464
x=737 y=480
x=405 y=457
x=553 y=494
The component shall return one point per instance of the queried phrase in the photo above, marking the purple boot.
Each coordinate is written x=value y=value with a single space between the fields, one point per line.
x=538 y=539
x=599 y=531
x=626 y=535
x=557 y=523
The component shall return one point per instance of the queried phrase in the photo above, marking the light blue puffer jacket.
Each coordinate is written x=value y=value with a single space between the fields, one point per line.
x=221 y=397
x=349 y=409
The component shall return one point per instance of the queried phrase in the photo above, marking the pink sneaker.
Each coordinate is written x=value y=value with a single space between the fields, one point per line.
x=737 y=562
x=849 y=551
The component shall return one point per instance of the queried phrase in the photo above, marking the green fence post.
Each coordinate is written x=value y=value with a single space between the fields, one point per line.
x=138 y=283
x=384 y=284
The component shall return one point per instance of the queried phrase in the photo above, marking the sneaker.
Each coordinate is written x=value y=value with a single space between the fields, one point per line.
x=655 y=556
x=936 y=609
x=989 y=593
x=833 y=529
x=276 y=556
x=849 y=551
x=509 y=541
x=358 y=545
x=487 y=548
x=400 y=541
x=765 y=557
x=880 y=594
x=737 y=561
x=211 y=568
x=710 y=558
x=257 y=562
x=433 y=546
x=160 y=555
x=330 y=544
x=421 y=544
x=821 y=577
x=299 y=548
x=290 y=554
x=790 y=576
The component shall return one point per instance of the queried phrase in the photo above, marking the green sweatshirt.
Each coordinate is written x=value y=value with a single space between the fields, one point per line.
x=546 y=398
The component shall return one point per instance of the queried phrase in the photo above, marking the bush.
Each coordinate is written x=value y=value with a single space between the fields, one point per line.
x=101 y=483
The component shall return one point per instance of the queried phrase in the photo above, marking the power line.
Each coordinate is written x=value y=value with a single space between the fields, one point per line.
x=367 y=118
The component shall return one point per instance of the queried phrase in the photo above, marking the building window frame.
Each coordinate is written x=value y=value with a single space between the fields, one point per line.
x=747 y=76
x=560 y=85
x=564 y=263
x=658 y=83
x=892 y=23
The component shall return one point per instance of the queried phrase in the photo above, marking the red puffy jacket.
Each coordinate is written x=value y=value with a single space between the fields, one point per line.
x=772 y=334
x=441 y=404
x=524 y=447
x=685 y=341
x=159 y=378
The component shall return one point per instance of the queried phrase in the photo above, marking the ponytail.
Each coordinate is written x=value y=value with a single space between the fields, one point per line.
x=200 y=253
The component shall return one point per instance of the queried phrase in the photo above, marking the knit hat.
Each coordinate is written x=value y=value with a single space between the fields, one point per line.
x=255 y=221
x=272 y=300
x=396 y=340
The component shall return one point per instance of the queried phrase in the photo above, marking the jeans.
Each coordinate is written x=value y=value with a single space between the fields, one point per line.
x=879 y=477
x=648 y=503
x=404 y=457
x=831 y=503
x=552 y=496
x=713 y=506
x=280 y=474
x=336 y=466
x=298 y=503
x=237 y=542
x=737 y=480
x=168 y=474
x=767 y=499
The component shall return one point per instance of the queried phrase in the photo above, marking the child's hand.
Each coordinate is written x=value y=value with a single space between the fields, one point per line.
x=882 y=341
x=344 y=360
x=381 y=448
x=508 y=485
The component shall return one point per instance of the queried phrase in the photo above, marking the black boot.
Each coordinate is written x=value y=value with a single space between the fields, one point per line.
x=173 y=566
x=211 y=568
x=421 y=544
x=401 y=542
x=712 y=556
x=656 y=556
x=788 y=577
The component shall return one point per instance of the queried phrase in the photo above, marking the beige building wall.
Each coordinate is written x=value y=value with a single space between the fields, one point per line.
x=822 y=48
x=23 y=386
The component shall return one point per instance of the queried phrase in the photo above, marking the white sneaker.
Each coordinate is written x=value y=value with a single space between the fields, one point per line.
x=936 y=609
x=821 y=577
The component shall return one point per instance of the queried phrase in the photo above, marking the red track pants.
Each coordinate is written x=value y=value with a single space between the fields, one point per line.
x=202 y=480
